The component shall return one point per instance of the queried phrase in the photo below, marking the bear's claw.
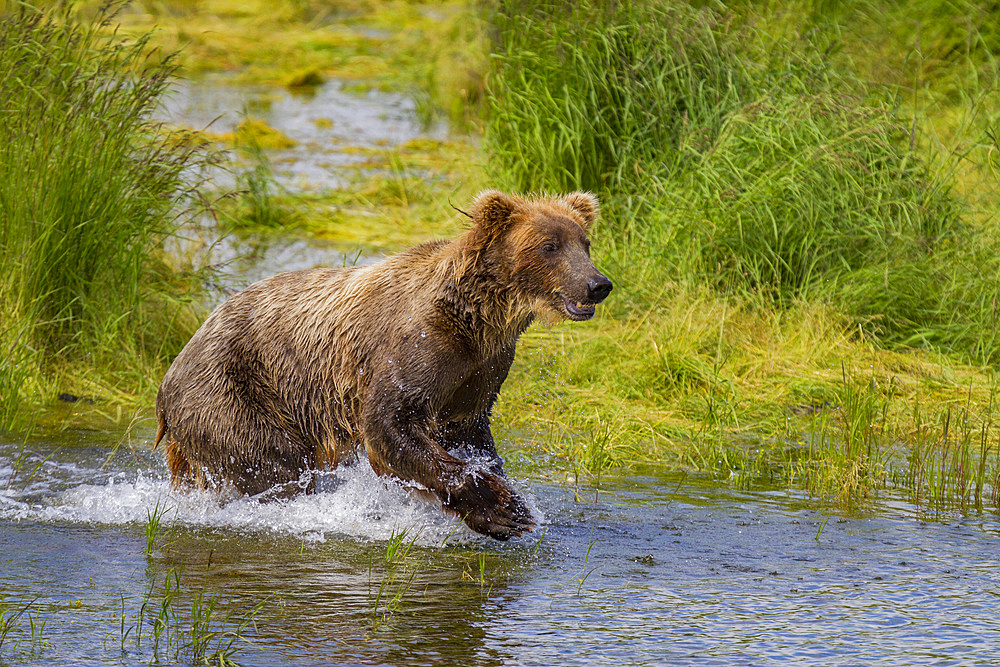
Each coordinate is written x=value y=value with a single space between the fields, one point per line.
x=489 y=506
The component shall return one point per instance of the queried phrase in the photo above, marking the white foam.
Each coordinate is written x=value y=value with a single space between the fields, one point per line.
x=75 y=484
x=352 y=501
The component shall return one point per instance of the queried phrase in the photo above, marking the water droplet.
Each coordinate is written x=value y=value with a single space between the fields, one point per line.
x=423 y=334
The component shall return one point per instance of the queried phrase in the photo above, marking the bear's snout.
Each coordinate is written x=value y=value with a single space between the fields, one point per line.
x=598 y=288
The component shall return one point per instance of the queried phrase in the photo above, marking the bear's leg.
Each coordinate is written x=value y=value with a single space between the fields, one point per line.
x=271 y=459
x=472 y=437
x=399 y=444
x=252 y=455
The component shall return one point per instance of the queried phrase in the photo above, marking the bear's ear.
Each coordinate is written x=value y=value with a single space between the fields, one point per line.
x=491 y=211
x=585 y=204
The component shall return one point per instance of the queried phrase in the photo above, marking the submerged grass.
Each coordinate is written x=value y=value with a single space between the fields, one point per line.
x=395 y=198
x=194 y=627
x=10 y=619
x=257 y=201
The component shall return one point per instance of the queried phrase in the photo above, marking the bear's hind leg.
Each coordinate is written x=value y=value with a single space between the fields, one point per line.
x=271 y=457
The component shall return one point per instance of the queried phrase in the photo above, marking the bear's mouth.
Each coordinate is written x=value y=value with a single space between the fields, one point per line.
x=578 y=311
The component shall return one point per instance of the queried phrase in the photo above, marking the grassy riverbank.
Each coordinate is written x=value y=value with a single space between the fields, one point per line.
x=799 y=218
x=89 y=189
x=797 y=232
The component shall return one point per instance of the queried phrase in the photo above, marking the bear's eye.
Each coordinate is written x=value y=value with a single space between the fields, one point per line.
x=549 y=247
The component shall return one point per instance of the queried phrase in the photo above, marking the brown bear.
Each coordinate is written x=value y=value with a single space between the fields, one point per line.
x=403 y=358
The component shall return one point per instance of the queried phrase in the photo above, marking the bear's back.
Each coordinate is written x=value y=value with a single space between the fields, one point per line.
x=307 y=334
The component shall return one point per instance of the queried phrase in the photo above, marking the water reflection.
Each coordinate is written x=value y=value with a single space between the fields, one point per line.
x=324 y=599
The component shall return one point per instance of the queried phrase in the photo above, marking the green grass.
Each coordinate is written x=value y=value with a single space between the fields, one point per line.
x=256 y=198
x=770 y=218
x=10 y=619
x=89 y=188
x=613 y=97
x=728 y=155
x=156 y=536
x=397 y=573
x=193 y=627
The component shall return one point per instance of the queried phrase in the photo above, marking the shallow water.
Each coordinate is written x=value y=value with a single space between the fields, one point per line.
x=680 y=570
x=323 y=122
x=327 y=123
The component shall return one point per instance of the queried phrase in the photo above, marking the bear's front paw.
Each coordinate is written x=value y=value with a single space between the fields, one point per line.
x=491 y=507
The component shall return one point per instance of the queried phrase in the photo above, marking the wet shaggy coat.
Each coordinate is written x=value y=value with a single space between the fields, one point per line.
x=403 y=358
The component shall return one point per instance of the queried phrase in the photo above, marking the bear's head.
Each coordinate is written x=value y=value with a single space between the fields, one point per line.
x=539 y=247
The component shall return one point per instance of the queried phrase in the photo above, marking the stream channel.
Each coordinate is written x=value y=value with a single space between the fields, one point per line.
x=650 y=569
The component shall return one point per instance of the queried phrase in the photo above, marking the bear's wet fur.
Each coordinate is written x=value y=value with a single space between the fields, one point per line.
x=403 y=358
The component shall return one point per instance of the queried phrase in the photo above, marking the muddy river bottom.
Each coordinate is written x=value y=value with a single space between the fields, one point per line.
x=653 y=569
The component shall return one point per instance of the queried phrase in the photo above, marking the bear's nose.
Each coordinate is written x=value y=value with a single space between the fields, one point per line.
x=598 y=288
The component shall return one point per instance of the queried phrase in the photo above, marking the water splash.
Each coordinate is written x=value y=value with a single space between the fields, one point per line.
x=350 y=502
